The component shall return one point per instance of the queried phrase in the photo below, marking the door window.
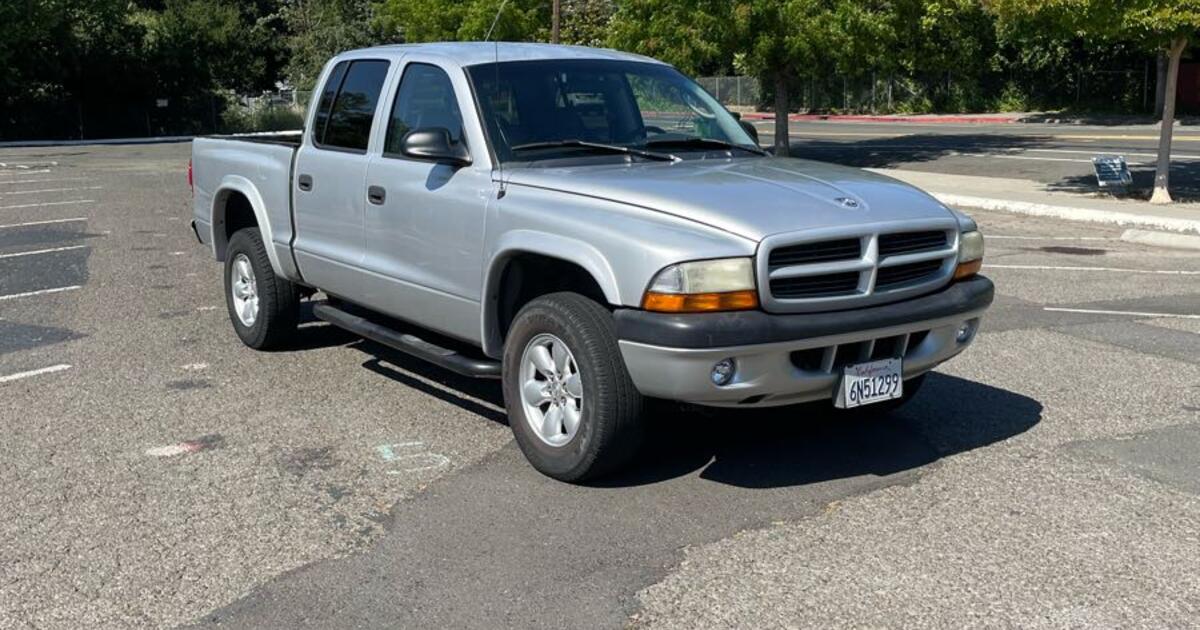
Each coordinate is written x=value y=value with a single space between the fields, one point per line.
x=353 y=110
x=425 y=99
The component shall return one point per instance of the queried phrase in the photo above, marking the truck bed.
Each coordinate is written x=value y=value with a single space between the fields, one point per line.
x=285 y=138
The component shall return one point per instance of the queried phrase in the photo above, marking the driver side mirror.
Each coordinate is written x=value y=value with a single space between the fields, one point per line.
x=434 y=143
x=747 y=127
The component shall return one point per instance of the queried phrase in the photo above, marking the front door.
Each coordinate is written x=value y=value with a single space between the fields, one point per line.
x=424 y=220
x=331 y=167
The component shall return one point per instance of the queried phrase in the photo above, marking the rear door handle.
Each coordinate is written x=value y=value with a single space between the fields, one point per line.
x=376 y=195
x=305 y=182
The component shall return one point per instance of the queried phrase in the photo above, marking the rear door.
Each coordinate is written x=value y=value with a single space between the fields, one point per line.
x=329 y=174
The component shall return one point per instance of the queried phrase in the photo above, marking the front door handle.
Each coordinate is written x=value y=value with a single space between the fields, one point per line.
x=305 y=182
x=376 y=195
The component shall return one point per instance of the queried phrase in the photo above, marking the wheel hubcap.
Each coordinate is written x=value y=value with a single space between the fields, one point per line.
x=243 y=288
x=551 y=389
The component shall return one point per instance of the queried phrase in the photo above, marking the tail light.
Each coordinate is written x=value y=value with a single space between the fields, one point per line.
x=191 y=181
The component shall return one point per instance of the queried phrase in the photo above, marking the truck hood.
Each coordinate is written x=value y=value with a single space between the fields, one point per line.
x=752 y=197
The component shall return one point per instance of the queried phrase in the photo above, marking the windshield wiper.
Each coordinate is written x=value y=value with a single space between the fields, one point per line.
x=702 y=143
x=597 y=146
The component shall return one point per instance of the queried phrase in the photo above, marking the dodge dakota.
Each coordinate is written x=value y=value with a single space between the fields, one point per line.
x=593 y=229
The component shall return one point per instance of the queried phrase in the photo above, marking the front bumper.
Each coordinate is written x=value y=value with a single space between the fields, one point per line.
x=787 y=359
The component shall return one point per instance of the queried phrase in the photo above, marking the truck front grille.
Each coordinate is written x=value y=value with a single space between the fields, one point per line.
x=849 y=269
x=815 y=286
x=808 y=253
x=891 y=277
x=911 y=242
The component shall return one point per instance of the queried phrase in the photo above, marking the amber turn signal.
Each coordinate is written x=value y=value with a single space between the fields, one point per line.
x=700 y=302
x=967 y=269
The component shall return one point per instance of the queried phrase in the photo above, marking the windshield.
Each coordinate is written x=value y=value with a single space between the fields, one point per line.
x=538 y=111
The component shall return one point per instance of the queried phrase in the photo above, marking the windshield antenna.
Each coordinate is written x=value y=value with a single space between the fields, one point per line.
x=496 y=90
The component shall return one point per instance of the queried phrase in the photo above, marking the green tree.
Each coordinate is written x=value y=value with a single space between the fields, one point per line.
x=413 y=21
x=319 y=29
x=1164 y=25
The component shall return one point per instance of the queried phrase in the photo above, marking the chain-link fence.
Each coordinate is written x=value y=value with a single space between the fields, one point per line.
x=741 y=92
x=1119 y=88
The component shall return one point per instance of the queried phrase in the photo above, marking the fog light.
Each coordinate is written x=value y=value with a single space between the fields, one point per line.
x=965 y=331
x=722 y=372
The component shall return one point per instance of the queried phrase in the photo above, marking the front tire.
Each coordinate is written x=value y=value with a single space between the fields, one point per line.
x=572 y=406
x=263 y=307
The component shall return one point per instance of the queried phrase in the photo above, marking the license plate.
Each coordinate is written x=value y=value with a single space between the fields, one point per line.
x=867 y=383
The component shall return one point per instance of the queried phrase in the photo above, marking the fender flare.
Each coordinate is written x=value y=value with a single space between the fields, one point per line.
x=242 y=185
x=542 y=244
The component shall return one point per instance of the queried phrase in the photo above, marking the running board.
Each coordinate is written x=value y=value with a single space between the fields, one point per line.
x=408 y=344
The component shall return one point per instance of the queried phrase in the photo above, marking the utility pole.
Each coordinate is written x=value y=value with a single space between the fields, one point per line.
x=555 y=13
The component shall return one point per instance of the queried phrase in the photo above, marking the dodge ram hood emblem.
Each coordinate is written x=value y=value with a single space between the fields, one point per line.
x=848 y=202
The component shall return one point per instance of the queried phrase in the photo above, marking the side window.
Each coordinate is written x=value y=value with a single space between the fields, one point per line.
x=353 y=111
x=326 y=103
x=425 y=99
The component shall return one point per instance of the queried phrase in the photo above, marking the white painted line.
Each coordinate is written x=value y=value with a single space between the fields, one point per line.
x=1002 y=237
x=1162 y=272
x=49 y=222
x=46 y=370
x=42 y=251
x=5 y=182
x=1090 y=311
x=35 y=293
x=1006 y=156
x=1069 y=213
x=50 y=203
x=19 y=165
x=49 y=190
x=195 y=367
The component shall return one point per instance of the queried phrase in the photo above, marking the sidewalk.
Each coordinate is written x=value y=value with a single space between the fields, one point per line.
x=1031 y=197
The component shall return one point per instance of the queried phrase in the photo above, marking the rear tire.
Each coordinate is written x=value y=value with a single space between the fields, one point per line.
x=577 y=417
x=263 y=307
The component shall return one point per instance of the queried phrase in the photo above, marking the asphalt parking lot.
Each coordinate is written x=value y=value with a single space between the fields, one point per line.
x=157 y=473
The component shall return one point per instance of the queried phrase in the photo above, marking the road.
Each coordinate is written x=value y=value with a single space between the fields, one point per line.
x=1053 y=154
x=157 y=473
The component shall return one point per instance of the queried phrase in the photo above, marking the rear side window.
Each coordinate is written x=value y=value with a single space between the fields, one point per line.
x=348 y=123
x=326 y=103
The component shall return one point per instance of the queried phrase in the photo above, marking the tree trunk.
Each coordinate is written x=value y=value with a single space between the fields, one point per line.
x=782 y=146
x=1160 y=85
x=555 y=16
x=1162 y=173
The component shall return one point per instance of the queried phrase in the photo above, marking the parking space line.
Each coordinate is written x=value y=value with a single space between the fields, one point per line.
x=38 y=172
x=1163 y=272
x=47 y=222
x=42 y=181
x=1091 y=311
x=14 y=296
x=46 y=370
x=49 y=203
x=43 y=251
x=49 y=190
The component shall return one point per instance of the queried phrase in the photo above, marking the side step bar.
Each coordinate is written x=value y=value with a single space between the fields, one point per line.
x=409 y=344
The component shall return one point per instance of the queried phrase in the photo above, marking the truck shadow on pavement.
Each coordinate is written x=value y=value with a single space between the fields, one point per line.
x=769 y=448
x=809 y=444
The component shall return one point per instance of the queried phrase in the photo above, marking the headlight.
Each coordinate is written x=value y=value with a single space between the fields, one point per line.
x=725 y=284
x=970 y=254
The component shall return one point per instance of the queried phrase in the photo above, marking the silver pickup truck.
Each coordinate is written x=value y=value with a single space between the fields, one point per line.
x=590 y=227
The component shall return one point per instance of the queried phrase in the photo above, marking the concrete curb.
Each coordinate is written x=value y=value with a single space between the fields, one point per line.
x=1162 y=239
x=1070 y=213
